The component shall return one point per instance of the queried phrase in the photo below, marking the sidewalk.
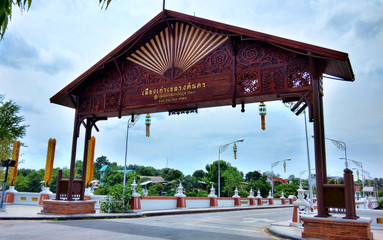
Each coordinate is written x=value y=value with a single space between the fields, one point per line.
x=26 y=212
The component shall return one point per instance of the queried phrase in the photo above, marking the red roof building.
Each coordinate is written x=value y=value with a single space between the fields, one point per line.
x=284 y=181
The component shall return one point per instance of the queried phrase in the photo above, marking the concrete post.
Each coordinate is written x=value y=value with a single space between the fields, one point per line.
x=135 y=201
x=44 y=194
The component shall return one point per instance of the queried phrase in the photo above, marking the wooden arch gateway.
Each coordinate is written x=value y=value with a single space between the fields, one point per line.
x=178 y=62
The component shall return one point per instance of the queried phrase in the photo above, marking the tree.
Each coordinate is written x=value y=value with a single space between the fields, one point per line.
x=11 y=126
x=170 y=174
x=155 y=189
x=255 y=175
x=232 y=178
x=146 y=171
x=199 y=174
x=100 y=161
x=6 y=11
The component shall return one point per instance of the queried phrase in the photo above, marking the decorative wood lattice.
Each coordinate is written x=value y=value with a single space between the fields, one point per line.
x=180 y=47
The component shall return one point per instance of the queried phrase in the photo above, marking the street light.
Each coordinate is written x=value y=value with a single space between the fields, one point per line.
x=221 y=149
x=132 y=120
x=274 y=164
x=342 y=146
x=359 y=165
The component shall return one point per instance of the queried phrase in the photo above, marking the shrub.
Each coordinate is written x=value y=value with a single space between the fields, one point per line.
x=115 y=201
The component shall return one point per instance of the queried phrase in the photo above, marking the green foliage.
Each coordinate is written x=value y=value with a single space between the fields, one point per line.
x=100 y=161
x=29 y=180
x=255 y=175
x=155 y=189
x=6 y=12
x=243 y=193
x=230 y=177
x=104 y=3
x=199 y=174
x=146 y=171
x=11 y=125
x=380 y=193
x=170 y=174
x=261 y=184
x=380 y=204
x=116 y=201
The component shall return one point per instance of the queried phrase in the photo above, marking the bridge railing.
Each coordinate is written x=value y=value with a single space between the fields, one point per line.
x=151 y=202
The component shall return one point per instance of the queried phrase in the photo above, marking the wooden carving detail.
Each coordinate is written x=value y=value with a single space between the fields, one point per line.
x=298 y=75
x=218 y=61
x=252 y=54
x=273 y=79
x=177 y=48
x=248 y=82
x=136 y=76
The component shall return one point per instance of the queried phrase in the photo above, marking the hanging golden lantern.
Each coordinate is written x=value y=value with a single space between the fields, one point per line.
x=147 y=123
x=15 y=157
x=49 y=161
x=357 y=173
x=235 y=150
x=284 y=166
x=262 y=112
x=90 y=161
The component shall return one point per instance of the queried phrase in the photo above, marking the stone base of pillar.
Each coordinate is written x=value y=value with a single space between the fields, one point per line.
x=42 y=198
x=259 y=202
x=237 y=202
x=295 y=215
x=283 y=201
x=252 y=201
x=9 y=197
x=135 y=203
x=68 y=207
x=213 y=202
x=181 y=202
x=271 y=201
x=337 y=228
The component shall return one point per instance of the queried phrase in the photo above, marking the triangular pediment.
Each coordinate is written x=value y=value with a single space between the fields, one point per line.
x=176 y=51
x=176 y=48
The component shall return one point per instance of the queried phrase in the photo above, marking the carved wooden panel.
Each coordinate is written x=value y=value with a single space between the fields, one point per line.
x=175 y=70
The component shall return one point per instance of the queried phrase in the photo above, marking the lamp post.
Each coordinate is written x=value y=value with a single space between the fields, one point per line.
x=342 y=146
x=221 y=149
x=359 y=165
x=274 y=164
x=309 y=164
x=132 y=120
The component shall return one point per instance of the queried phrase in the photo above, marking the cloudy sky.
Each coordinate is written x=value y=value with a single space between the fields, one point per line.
x=55 y=41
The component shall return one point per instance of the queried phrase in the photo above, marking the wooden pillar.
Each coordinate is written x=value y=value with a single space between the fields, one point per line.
x=349 y=194
x=319 y=138
x=76 y=129
x=88 y=134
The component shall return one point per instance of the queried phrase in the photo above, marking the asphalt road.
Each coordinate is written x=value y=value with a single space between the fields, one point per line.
x=249 y=224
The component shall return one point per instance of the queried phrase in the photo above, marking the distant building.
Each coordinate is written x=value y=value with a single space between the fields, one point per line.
x=273 y=180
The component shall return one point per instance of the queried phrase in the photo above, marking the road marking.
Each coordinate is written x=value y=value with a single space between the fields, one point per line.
x=251 y=220
x=227 y=228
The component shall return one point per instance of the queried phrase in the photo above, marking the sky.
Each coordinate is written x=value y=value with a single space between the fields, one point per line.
x=50 y=45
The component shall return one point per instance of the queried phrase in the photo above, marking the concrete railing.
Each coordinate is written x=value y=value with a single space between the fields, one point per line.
x=149 y=203
x=375 y=215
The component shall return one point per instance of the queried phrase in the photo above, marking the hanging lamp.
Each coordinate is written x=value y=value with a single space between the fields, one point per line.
x=147 y=123
x=262 y=112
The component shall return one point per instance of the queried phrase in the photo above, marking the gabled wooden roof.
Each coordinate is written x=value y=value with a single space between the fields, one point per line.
x=338 y=63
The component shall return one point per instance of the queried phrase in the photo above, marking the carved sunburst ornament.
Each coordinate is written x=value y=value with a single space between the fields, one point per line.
x=180 y=49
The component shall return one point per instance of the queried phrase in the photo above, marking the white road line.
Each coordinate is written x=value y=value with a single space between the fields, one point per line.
x=227 y=228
